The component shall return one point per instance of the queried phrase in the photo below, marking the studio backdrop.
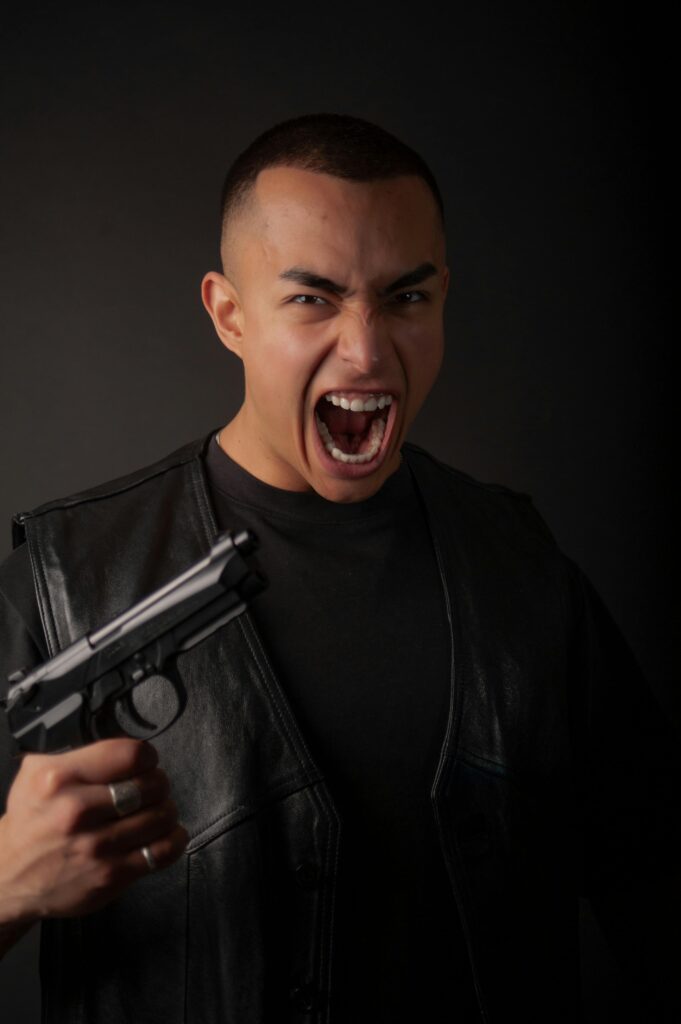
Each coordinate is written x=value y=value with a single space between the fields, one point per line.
x=118 y=124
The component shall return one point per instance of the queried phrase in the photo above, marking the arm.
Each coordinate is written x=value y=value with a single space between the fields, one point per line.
x=63 y=850
x=629 y=763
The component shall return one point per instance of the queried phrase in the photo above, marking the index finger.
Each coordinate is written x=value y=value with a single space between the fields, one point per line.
x=104 y=761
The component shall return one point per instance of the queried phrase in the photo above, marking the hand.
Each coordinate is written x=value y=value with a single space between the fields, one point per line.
x=63 y=849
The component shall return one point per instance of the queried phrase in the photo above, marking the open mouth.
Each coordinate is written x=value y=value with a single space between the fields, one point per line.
x=351 y=426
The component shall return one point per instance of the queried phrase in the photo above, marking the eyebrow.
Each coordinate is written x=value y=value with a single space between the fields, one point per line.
x=311 y=280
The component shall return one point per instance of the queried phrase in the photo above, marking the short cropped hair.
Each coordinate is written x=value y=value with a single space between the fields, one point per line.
x=337 y=144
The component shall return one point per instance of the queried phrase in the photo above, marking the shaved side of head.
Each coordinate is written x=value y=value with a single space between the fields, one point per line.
x=241 y=218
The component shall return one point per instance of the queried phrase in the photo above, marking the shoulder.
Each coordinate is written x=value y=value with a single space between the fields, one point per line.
x=456 y=478
x=128 y=488
x=96 y=552
x=180 y=457
x=491 y=507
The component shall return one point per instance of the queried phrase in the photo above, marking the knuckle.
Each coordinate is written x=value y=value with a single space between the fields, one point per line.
x=131 y=753
x=146 y=756
x=162 y=783
x=106 y=876
x=152 y=784
x=156 y=790
x=161 y=821
x=88 y=846
x=180 y=838
x=50 y=779
x=165 y=849
x=70 y=815
x=31 y=763
x=101 y=845
x=170 y=848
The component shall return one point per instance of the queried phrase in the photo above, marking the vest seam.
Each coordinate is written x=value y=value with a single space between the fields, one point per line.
x=314 y=779
x=448 y=756
x=187 y=938
x=326 y=808
x=198 y=482
x=85 y=497
x=47 y=618
x=465 y=478
x=289 y=786
x=273 y=695
x=329 y=899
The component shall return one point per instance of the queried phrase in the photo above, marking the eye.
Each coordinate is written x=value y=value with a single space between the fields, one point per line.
x=410 y=298
x=308 y=300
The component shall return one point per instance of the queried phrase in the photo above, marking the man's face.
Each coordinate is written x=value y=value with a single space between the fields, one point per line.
x=334 y=303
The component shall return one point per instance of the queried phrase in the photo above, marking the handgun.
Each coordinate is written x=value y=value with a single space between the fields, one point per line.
x=85 y=692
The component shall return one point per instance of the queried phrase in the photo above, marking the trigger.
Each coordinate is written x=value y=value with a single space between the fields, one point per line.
x=131 y=721
x=161 y=696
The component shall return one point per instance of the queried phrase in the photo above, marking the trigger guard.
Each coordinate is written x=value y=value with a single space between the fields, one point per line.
x=166 y=700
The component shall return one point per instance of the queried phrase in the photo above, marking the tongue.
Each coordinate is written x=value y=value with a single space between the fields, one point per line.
x=342 y=421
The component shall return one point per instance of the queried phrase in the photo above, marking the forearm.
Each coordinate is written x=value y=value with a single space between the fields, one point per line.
x=11 y=932
x=15 y=920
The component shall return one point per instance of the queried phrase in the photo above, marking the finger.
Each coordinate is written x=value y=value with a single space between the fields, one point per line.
x=167 y=850
x=164 y=852
x=153 y=787
x=117 y=874
x=130 y=833
x=101 y=762
x=86 y=807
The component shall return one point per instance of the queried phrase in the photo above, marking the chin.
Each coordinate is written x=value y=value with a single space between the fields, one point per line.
x=344 y=491
x=345 y=481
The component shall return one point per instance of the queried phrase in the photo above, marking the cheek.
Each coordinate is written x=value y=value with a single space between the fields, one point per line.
x=281 y=362
x=421 y=356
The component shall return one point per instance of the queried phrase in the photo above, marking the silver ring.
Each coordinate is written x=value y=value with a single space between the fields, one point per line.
x=149 y=858
x=126 y=797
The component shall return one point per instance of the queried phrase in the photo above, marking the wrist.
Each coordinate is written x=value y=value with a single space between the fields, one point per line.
x=16 y=914
x=11 y=932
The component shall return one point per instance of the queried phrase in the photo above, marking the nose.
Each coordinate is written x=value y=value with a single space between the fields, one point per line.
x=361 y=343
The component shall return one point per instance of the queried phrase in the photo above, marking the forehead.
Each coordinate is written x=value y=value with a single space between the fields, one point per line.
x=298 y=214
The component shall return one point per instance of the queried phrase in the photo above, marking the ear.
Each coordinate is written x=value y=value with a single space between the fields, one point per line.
x=445 y=282
x=221 y=300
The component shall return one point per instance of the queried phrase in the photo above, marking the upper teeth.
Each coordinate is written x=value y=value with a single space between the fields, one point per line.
x=370 y=404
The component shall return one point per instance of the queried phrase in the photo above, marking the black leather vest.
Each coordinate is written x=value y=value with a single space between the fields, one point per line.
x=241 y=929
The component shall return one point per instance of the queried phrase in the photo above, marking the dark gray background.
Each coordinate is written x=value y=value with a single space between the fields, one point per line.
x=545 y=126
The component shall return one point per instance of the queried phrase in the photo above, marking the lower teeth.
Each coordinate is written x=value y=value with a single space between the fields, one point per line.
x=375 y=434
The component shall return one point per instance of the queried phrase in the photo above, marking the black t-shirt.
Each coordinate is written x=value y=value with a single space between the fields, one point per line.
x=354 y=624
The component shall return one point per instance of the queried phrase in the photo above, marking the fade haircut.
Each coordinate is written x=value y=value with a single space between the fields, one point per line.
x=346 y=147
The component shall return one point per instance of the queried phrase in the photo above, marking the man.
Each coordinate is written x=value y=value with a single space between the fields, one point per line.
x=397 y=774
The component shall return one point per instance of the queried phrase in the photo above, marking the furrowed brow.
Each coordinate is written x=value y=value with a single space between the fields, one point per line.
x=416 y=276
x=310 y=280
